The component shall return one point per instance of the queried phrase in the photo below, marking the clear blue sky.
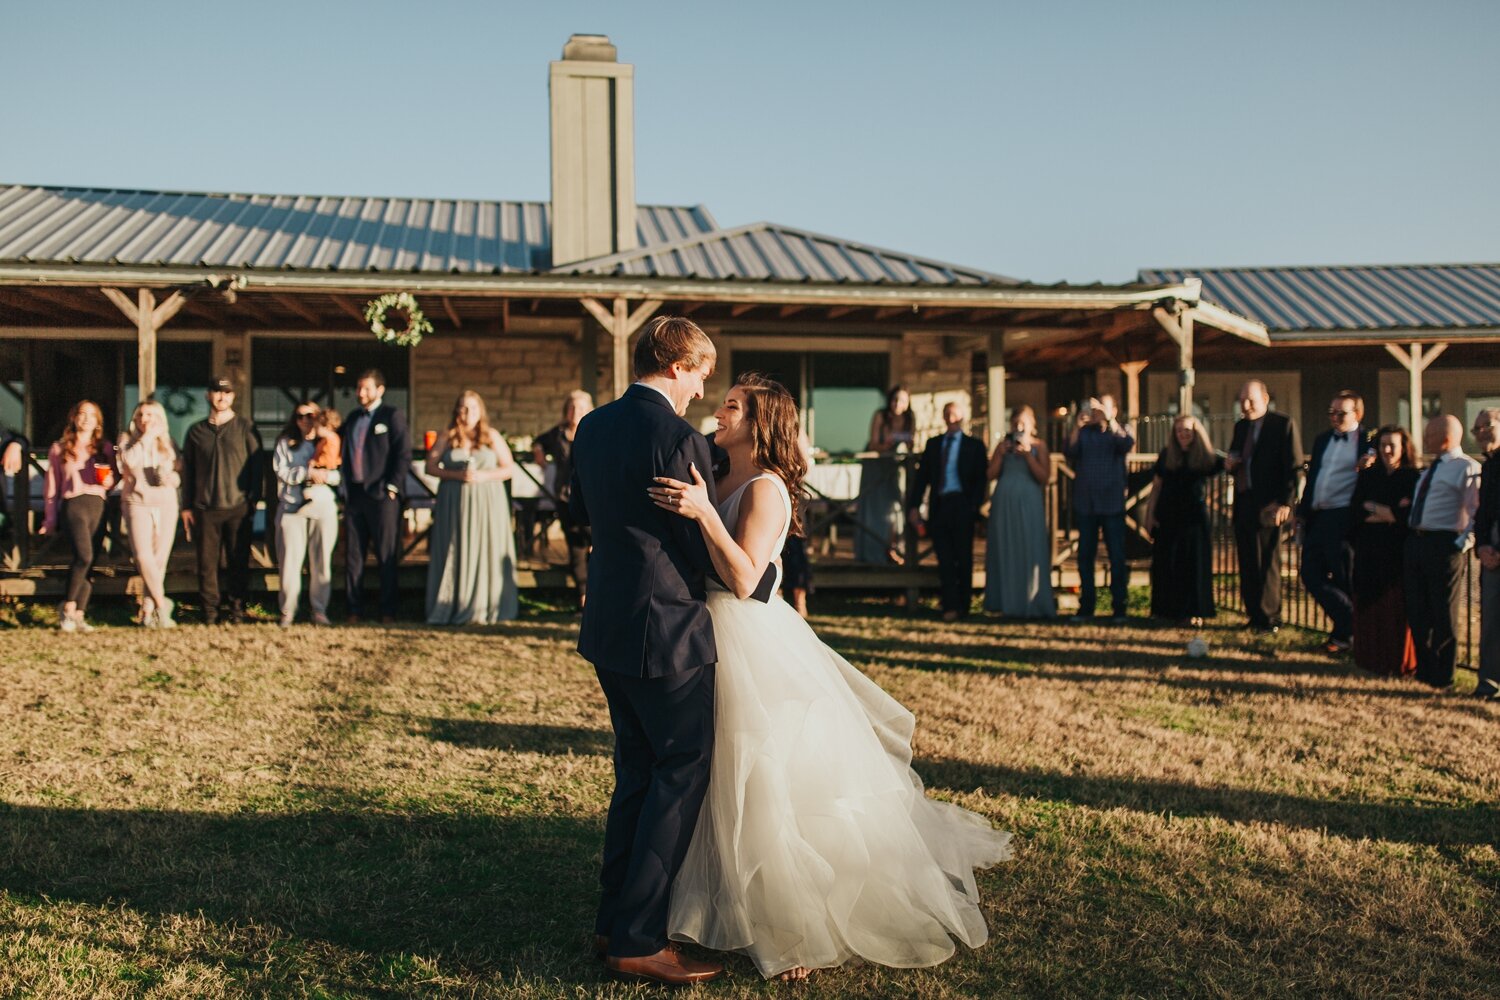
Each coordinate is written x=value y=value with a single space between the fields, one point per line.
x=1048 y=141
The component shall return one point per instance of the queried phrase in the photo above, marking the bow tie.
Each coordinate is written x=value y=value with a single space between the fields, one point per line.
x=1340 y=435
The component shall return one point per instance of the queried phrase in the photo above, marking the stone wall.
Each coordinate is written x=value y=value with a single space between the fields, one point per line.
x=934 y=377
x=523 y=380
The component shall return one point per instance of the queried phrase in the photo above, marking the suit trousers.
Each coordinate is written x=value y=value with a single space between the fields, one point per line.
x=1088 y=550
x=664 y=738
x=1328 y=566
x=372 y=523
x=953 y=543
x=223 y=541
x=1489 y=633
x=1434 y=577
x=1259 y=551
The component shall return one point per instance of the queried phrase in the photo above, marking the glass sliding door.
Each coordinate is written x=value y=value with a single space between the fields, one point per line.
x=288 y=371
x=837 y=392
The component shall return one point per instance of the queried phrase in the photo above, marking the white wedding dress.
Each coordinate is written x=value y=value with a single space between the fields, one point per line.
x=816 y=843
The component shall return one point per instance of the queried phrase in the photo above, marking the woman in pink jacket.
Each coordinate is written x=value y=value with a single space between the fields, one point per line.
x=80 y=472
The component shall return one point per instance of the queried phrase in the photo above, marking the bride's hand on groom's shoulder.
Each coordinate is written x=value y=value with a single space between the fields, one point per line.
x=688 y=499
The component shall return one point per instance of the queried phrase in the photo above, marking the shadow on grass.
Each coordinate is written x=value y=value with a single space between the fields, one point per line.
x=1435 y=825
x=482 y=735
x=484 y=892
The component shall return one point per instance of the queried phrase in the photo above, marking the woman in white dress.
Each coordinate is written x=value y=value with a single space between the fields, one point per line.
x=816 y=843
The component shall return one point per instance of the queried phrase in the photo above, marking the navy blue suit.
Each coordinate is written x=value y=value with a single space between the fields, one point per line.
x=372 y=506
x=951 y=516
x=647 y=631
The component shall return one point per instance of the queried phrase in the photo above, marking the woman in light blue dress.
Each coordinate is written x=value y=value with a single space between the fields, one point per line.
x=471 y=578
x=1018 y=556
x=878 y=509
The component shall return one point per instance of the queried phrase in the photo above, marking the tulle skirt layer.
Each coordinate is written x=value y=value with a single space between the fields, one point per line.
x=816 y=843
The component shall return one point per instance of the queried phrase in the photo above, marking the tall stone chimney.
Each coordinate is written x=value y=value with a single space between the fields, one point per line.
x=593 y=151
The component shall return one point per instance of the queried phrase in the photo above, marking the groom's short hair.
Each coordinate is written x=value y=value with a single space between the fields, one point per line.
x=668 y=341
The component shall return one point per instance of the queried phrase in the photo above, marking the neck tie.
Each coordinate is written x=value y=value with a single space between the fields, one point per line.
x=361 y=430
x=1420 y=500
x=1340 y=435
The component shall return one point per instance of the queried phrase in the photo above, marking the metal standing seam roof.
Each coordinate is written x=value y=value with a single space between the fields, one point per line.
x=1350 y=298
x=97 y=225
x=768 y=252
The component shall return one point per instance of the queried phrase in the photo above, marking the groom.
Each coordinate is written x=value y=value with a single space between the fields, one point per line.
x=647 y=631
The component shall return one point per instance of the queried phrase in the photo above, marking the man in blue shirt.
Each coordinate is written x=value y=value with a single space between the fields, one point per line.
x=950 y=477
x=1096 y=451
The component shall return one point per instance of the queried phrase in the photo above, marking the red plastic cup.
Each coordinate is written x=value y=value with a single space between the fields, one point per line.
x=429 y=439
x=102 y=474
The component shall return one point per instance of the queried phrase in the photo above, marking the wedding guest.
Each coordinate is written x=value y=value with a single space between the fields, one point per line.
x=1264 y=456
x=1096 y=451
x=471 y=575
x=553 y=451
x=1442 y=529
x=893 y=429
x=1382 y=504
x=1018 y=556
x=13 y=447
x=80 y=472
x=1325 y=514
x=377 y=460
x=1177 y=517
x=306 y=463
x=221 y=457
x=150 y=479
x=950 y=477
x=1487 y=551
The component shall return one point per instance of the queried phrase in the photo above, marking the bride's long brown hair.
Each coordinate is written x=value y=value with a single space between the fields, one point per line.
x=775 y=436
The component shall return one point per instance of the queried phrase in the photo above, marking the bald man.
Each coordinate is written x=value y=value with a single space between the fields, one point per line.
x=1264 y=458
x=1442 y=530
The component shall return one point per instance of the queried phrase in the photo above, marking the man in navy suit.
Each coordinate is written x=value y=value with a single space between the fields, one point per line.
x=647 y=631
x=951 y=477
x=377 y=457
x=1327 y=556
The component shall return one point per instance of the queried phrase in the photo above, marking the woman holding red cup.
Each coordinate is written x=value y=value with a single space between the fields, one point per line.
x=80 y=472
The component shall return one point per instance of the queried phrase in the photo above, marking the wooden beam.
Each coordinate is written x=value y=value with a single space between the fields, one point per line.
x=167 y=308
x=604 y=316
x=122 y=302
x=838 y=312
x=688 y=308
x=458 y=324
x=1132 y=371
x=294 y=305
x=736 y=311
x=505 y=314
x=1416 y=363
x=643 y=312
x=145 y=340
x=787 y=312
x=1179 y=326
x=621 y=344
x=995 y=395
x=83 y=304
x=349 y=307
x=891 y=311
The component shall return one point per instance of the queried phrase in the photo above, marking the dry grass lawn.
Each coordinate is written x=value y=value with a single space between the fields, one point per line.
x=403 y=811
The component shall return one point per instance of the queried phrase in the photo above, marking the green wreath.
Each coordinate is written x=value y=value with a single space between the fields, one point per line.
x=395 y=318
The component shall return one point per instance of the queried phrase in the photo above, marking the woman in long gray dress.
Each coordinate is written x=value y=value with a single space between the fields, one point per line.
x=471 y=578
x=1018 y=559
x=878 y=508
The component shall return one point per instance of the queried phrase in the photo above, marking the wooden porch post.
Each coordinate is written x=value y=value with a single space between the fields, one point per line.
x=1132 y=370
x=1178 y=323
x=995 y=391
x=148 y=318
x=1415 y=362
x=620 y=323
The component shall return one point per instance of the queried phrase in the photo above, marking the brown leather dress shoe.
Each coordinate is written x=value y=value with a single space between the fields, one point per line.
x=667 y=966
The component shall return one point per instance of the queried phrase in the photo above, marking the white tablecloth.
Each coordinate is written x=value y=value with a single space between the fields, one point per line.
x=835 y=480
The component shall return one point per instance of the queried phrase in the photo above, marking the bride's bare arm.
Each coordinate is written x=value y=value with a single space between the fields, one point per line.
x=740 y=559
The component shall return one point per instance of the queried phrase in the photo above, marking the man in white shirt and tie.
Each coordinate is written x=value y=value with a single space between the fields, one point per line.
x=1327 y=556
x=1442 y=530
x=951 y=479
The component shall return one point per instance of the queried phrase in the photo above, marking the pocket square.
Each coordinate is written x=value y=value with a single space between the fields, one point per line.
x=380 y=429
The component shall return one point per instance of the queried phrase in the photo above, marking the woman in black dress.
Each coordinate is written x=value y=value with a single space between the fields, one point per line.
x=1177 y=517
x=1381 y=505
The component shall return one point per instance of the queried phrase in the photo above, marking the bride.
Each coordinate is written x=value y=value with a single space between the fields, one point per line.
x=816 y=843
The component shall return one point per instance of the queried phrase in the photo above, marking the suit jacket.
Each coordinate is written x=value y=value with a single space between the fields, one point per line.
x=387 y=452
x=1273 y=466
x=646 y=614
x=972 y=464
x=1488 y=515
x=1364 y=443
